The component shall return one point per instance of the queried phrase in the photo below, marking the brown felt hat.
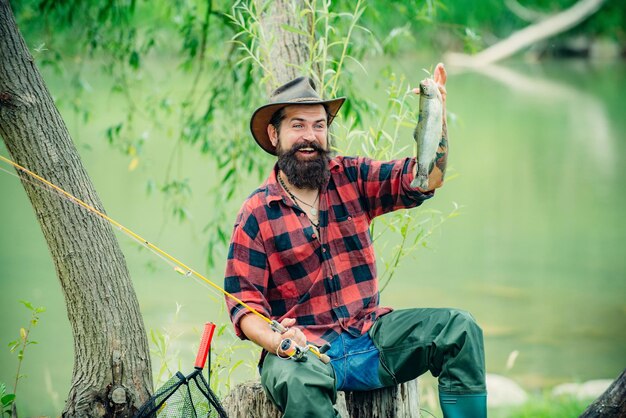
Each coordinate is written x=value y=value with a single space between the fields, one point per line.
x=298 y=91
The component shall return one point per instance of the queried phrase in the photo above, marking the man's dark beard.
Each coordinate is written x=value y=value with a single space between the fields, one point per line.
x=309 y=174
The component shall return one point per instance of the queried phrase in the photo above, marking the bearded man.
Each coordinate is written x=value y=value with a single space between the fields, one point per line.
x=301 y=254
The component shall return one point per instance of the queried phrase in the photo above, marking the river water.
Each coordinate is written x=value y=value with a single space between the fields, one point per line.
x=537 y=166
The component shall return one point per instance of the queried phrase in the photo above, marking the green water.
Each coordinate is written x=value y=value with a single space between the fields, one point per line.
x=537 y=255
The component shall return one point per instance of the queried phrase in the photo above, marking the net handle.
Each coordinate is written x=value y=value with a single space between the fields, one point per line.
x=205 y=344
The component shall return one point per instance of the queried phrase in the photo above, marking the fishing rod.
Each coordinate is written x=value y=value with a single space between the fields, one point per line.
x=296 y=352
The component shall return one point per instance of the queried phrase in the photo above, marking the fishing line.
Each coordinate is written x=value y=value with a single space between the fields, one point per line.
x=176 y=264
x=44 y=187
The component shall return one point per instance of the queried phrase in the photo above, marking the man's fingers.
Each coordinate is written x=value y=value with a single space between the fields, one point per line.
x=443 y=91
x=440 y=74
x=288 y=322
x=294 y=334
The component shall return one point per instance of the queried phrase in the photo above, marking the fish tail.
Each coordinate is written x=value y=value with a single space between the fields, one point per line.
x=420 y=181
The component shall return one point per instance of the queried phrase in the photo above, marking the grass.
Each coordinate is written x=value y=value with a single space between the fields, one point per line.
x=545 y=406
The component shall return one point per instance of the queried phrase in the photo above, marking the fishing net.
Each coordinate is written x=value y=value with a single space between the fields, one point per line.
x=183 y=396
x=186 y=396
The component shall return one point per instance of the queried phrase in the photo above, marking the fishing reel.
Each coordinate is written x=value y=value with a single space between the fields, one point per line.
x=295 y=352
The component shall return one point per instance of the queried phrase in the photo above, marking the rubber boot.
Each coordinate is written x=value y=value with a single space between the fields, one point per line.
x=471 y=405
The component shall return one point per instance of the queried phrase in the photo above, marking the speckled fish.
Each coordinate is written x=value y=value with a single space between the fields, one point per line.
x=428 y=131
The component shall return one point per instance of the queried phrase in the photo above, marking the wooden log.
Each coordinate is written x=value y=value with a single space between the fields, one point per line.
x=249 y=400
x=400 y=401
x=523 y=38
x=612 y=403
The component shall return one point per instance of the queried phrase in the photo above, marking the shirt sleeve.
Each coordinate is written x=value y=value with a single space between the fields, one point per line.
x=247 y=272
x=386 y=185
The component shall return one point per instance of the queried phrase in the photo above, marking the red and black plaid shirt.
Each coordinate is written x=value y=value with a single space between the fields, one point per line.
x=280 y=266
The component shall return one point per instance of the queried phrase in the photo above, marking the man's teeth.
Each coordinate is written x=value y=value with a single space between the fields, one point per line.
x=307 y=149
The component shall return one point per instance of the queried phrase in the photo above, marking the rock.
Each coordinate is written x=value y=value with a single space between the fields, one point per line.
x=604 y=49
x=587 y=390
x=566 y=389
x=503 y=391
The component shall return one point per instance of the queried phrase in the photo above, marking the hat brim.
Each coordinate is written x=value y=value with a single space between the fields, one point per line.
x=261 y=119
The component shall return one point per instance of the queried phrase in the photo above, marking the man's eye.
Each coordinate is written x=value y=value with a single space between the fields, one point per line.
x=298 y=125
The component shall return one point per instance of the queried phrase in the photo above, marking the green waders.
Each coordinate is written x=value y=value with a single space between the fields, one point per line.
x=447 y=342
x=300 y=389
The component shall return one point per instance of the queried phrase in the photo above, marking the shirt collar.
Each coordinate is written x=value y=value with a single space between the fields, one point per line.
x=273 y=191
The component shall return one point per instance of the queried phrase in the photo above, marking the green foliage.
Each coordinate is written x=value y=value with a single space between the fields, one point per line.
x=178 y=193
x=227 y=359
x=161 y=349
x=6 y=401
x=471 y=26
x=19 y=345
x=226 y=353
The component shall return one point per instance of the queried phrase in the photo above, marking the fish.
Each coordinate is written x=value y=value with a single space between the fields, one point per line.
x=428 y=131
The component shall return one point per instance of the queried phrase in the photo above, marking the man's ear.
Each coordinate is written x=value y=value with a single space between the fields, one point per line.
x=273 y=135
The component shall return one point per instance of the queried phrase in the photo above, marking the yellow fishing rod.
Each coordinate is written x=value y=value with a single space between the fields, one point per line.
x=178 y=265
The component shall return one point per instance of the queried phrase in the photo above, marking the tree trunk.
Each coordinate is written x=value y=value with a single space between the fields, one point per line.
x=284 y=53
x=112 y=374
x=249 y=400
x=523 y=38
x=612 y=403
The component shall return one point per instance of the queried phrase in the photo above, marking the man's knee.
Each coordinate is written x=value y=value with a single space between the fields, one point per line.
x=465 y=323
x=302 y=382
x=289 y=377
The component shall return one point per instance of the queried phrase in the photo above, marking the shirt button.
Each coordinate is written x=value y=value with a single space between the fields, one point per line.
x=314 y=236
x=323 y=249
x=349 y=218
x=301 y=215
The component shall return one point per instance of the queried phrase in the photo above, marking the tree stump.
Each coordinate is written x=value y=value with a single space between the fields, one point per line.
x=249 y=400
x=400 y=401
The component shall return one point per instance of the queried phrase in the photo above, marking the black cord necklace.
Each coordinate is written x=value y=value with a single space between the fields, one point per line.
x=314 y=210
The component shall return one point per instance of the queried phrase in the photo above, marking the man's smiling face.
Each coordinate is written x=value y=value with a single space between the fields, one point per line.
x=303 y=126
x=302 y=145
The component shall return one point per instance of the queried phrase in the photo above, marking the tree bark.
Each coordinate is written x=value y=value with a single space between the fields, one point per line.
x=612 y=403
x=284 y=53
x=112 y=374
x=523 y=38
x=400 y=401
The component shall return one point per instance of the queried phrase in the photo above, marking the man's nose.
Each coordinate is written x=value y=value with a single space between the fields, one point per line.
x=309 y=135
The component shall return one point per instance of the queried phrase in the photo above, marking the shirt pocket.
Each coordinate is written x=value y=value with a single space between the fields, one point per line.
x=291 y=247
x=352 y=241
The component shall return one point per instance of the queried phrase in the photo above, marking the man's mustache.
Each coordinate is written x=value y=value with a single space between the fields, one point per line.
x=300 y=145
